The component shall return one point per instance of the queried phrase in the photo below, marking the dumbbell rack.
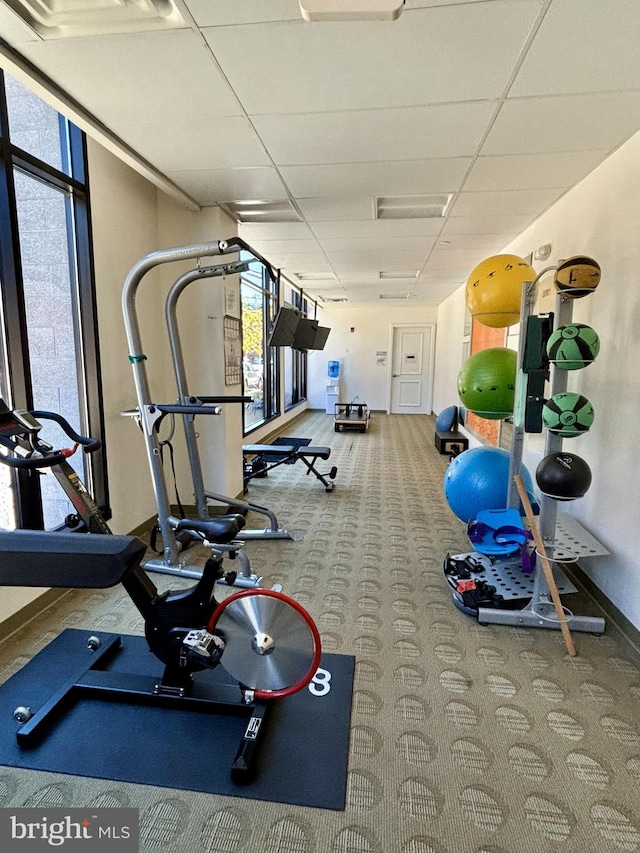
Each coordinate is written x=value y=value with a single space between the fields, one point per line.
x=565 y=539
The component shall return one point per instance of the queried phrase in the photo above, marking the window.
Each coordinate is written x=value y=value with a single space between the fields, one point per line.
x=295 y=362
x=49 y=357
x=258 y=298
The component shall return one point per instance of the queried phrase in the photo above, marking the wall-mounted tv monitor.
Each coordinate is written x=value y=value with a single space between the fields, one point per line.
x=284 y=327
x=305 y=334
x=320 y=339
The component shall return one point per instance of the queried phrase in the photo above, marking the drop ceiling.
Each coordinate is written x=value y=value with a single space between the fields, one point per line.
x=494 y=108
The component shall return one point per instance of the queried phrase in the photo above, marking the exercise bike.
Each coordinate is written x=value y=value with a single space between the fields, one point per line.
x=265 y=641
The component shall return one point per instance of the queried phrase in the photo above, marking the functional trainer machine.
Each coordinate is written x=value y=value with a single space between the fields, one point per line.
x=270 y=645
x=150 y=415
x=203 y=497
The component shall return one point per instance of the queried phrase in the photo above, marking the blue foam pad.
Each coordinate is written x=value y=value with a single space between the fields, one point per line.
x=494 y=519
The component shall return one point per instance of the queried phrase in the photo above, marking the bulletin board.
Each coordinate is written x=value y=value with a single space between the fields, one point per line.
x=232 y=351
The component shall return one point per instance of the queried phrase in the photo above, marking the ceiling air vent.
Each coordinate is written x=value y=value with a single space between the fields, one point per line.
x=412 y=206
x=54 y=19
x=261 y=210
x=383 y=274
x=396 y=296
x=315 y=276
x=333 y=299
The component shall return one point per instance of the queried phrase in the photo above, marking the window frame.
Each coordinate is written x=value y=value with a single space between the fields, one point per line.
x=269 y=288
x=17 y=386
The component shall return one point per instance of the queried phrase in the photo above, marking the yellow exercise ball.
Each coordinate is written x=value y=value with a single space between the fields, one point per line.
x=494 y=290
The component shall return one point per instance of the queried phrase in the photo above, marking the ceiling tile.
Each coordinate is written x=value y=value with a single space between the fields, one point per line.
x=379 y=229
x=222 y=13
x=532 y=171
x=274 y=231
x=607 y=28
x=383 y=178
x=564 y=123
x=315 y=261
x=460 y=225
x=285 y=247
x=503 y=202
x=377 y=247
x=203 y=144
x=161 y=75
x=418 y=133
x=428 y=56
x=211 y=187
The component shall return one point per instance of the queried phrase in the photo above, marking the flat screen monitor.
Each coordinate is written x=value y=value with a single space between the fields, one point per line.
x=305 y=334
x=284 y=327
x=320 y=339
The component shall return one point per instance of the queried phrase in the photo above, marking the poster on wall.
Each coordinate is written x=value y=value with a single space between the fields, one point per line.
x=232 y=351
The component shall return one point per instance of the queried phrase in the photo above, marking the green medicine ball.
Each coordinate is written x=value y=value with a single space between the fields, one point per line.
x=567 y=414
x=487 y=381
x=573 y=346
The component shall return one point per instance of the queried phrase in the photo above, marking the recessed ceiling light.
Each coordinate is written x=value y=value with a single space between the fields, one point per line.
x=412 y=206
x=261 y=210
x=396 y=296
x=351 y=10
x=383 y=274
x=314 y=276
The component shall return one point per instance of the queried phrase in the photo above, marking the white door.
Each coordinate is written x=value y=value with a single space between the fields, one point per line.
x=412 y=370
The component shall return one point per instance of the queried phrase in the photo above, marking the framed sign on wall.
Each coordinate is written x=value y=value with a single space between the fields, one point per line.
x=232 y=351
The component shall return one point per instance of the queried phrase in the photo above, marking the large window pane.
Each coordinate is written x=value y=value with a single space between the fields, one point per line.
x=259 y=362
x=50 y=306
x=50 y=356
x=35 y=126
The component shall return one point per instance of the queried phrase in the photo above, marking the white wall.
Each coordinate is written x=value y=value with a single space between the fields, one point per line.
x=360 y=375
x=599 y=218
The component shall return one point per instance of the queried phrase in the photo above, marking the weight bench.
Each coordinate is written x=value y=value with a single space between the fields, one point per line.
x=259 y=459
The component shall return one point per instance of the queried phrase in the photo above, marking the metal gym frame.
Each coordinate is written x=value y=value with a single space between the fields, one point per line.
x=202 y=496
x=565 y=539
x=149 y=414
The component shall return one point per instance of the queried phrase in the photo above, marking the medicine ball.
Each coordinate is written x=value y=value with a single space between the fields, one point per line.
x=487 y=381
x=567 y=414
x=494 y=290
x=573 y=346
x=563 y=476
x=577 y=276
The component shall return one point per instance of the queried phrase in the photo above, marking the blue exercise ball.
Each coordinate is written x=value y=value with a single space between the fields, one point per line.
x=478 y=479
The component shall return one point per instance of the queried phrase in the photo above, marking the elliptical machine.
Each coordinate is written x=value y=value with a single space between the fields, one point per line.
x=265 y=640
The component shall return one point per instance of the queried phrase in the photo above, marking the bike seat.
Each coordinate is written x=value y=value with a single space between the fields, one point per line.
x=222 y=528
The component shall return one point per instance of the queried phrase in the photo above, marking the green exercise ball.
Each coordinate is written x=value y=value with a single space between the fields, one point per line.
x=487 y=381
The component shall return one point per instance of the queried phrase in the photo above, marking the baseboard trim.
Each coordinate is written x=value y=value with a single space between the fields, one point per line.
x=609 y=610
x=29 y=612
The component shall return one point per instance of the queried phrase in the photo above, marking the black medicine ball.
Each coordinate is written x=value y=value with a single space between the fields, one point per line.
x=563 y=476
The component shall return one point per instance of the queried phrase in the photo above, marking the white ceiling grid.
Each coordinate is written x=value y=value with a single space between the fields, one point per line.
x=504 y=104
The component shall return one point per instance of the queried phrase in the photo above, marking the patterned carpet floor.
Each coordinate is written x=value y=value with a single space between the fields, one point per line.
x=465 y=738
